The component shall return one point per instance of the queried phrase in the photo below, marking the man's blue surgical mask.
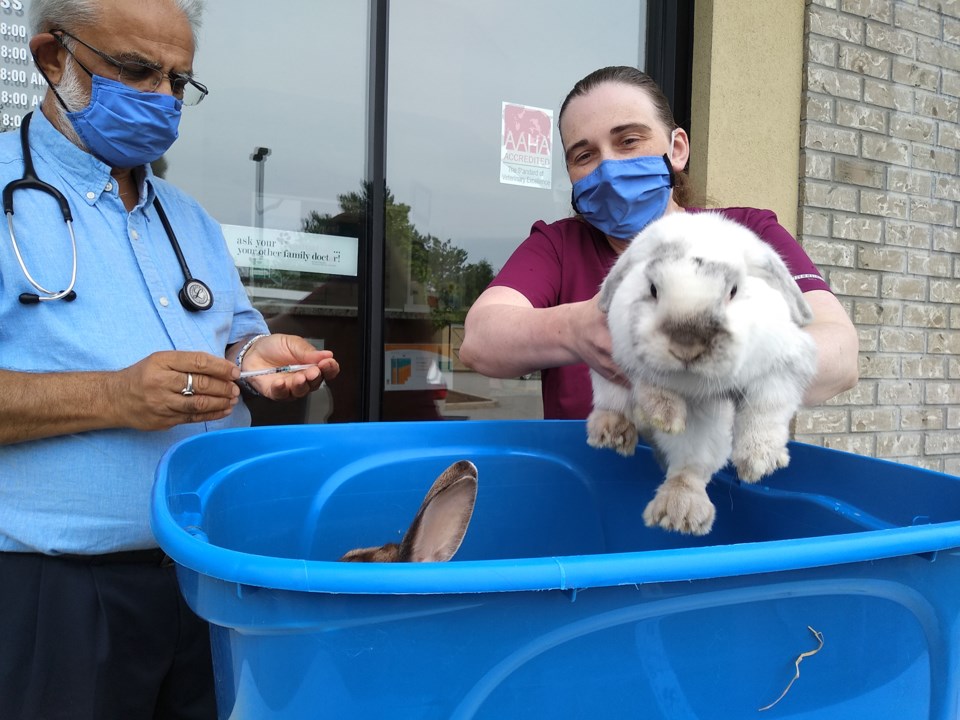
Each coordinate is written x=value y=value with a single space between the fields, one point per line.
x=621 y=197
x=124 y=127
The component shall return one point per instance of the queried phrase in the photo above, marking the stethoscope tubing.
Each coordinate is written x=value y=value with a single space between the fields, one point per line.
x=30 y=181
x=194 y=296
x=48 y=294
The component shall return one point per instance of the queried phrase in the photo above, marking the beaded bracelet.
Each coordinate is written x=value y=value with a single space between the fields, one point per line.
x=242 y=382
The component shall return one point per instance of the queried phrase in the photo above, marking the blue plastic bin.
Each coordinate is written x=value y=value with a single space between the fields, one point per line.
x=560 y=603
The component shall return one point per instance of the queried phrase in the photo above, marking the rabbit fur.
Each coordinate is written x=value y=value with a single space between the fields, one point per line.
x=705 y=321
x=439 y=526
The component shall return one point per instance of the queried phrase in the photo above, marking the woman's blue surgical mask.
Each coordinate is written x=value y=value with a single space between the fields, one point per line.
x=124 y=127
x=621 y=197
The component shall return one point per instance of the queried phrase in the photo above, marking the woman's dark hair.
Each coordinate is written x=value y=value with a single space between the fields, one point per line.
x=627 y=75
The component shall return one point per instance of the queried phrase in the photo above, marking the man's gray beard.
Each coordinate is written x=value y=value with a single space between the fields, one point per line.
x=75 y=98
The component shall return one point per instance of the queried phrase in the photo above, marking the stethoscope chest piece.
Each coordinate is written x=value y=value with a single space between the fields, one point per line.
x=195 y=296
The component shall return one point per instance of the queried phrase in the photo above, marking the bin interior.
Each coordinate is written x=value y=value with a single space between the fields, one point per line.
x=315 y=492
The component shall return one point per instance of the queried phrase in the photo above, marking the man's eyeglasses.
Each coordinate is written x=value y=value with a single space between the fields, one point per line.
x=139 y=76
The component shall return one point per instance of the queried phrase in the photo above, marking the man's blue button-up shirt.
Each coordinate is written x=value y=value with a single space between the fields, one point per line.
x=89 y=492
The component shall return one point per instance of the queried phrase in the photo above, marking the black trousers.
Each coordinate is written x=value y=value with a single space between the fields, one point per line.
x=101 y=638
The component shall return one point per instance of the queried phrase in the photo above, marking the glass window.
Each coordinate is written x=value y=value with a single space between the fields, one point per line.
x=473 y=159
x=276 y=153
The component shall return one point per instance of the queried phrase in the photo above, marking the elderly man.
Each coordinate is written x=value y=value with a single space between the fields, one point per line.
x=116 y=341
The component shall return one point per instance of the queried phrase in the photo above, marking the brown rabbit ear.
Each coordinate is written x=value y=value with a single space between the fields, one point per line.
x=385 y=553
x=438 y=529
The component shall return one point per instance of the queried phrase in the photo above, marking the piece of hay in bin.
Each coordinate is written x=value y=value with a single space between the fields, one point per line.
x=796 y=664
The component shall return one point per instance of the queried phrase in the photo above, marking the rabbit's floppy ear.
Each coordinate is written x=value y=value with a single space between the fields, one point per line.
x=763 y=262
x=614 y=278
x=640 y=251
x=438 y=529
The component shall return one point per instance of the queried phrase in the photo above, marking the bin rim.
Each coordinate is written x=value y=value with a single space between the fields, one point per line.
x=571 y=572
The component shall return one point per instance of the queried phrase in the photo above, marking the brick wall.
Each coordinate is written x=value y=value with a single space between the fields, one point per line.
x=880 y=135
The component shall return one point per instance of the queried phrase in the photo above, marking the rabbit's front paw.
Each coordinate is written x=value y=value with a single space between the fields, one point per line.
x=662 y=410
x=681 y=504
x=756 y=460
x=609 y=429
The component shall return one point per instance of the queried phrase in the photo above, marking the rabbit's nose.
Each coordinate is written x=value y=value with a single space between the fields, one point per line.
x=689 y=342
x=687 y=352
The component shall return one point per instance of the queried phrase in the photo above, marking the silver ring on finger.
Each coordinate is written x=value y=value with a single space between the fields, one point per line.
x=188 y=388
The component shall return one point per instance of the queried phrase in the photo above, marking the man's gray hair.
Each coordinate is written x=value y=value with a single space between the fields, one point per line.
x=47 y=15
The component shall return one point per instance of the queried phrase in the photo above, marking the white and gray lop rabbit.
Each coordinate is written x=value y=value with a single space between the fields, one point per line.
x=439 y=526
x=705 y=321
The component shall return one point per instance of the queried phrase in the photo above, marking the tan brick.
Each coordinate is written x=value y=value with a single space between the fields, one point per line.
x=863 y=393
x=946 y=240
x=888 y=95
x=909 y=181
x=835 y=25
x=824 y=252
x=937 y=106
x=860 y=284
x=921 y=419
x=899 y=445
x=878 y=366
x=857 y=444
x=815 y=222
x=868 y=339
x=937 y=53
x=878 y=10
x=885 y=149
x=833 y=83
x=947 y=188
x=941 y=342
x=895 y=340
x=934 y=265
x=904 y=288
x=883 y=204
x=822 y=51
x=945 y=291
x=906 y=234
x=915 y=74
x=953 y=418
x=899 y=392
x=830 y=196
x=859 y=172
x=926 y=368
x=942 y=393
x=918 y=20
x=830 y=139
x=941 y=443
x=873 y=420
x=914 y=129
x=936 y=159
x=951 y=466
x=950 y=83
x=819 y=420
x=926 y=316
x=891 y=40
x=882 y=259
x=877 y=313
x=936 y=212
x=863 y=229
x=817 y=165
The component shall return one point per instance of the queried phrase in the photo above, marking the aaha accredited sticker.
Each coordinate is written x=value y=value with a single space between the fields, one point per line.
x=526 y=146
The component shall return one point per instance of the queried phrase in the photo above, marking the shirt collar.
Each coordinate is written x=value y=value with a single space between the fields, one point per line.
x=77 y=168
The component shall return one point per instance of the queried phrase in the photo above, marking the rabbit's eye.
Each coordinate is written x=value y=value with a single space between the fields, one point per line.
x=733 y=292
x=653 y=291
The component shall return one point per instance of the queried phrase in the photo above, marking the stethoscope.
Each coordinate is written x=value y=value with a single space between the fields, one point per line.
x=194 y=295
